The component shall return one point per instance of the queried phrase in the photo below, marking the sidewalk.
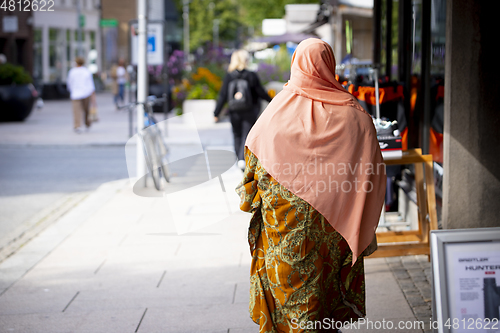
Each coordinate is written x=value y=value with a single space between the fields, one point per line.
x=115 y=262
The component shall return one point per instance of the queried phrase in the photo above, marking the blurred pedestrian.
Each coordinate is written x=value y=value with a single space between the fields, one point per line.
x=315 y=184
x=242 y=89
x=119 y=76
x=82 y=92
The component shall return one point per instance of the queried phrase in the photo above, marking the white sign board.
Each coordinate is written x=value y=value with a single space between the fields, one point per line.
x=273 y=27
x=154 y=43
x=466 y=280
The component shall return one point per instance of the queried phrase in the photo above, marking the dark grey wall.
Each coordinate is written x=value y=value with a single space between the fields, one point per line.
x=472 y=115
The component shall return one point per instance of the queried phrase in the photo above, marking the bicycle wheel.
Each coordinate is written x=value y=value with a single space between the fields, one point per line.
x=151 y=156
x=162 y=155
x=161 y=151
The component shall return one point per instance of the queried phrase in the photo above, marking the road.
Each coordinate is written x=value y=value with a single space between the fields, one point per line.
x=35 y=177
x=45 y=167
x=42 y=161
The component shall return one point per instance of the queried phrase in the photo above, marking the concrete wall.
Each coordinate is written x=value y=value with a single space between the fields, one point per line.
x=471 y=183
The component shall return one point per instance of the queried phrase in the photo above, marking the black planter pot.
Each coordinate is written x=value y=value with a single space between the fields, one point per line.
x=16 y=102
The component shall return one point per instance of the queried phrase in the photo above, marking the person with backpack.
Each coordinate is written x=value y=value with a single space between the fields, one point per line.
x=241 y=89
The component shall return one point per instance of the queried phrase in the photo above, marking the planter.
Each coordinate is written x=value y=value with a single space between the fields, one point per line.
x=204 y=109
x=16 y=102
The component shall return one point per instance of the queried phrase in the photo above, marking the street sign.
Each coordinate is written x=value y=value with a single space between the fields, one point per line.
x=108 y=23
x=154 y=42
x=81 y=21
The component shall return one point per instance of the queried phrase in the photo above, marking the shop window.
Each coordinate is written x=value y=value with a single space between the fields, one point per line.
x=69 y=59
x=37 y=59
x=79 y=44
x=56 y=54
x=438 y=36
x=389 y=38
x=92 y=40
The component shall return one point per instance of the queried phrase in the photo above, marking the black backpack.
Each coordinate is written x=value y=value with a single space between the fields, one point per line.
x=239 y=94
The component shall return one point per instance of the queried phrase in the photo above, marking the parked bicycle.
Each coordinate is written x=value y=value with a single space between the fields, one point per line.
x=154 y=147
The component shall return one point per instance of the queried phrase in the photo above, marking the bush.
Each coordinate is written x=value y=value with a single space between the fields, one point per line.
x=205 y=84
x=268 y=73
x=11 y=74
x=202 y=91
x=179 y=94
x=175 y=66
x=276 y=68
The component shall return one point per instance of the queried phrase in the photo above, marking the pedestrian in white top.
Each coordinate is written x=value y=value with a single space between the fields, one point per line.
x=82 y=93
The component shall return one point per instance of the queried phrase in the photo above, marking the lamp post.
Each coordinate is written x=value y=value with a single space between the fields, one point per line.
x=185 y=16
x=216 y=32
x=215 y=25
x=80 y=23
x=142 y=77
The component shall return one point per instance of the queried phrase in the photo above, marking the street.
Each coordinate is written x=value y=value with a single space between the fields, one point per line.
x=44 y=165
x=36 y=177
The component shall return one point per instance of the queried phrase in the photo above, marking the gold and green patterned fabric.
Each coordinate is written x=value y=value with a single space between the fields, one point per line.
x=301 y=272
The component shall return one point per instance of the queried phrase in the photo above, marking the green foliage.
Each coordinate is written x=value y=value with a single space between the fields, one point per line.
x=201 y=20
x=233 y=15
x=254 y=11
x=202 y=91
x=204 y=84
x=11 y=74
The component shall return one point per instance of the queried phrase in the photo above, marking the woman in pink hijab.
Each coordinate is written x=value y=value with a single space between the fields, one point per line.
x=315 y=185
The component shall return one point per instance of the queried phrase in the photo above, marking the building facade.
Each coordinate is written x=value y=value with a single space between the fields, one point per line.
x=16 y=37
x=70 y=30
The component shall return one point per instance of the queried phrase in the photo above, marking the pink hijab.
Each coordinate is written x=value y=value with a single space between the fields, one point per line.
x=317 y=141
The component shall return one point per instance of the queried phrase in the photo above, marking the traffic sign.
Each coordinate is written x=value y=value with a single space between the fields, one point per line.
x=81 y=21
x=154 y=43
x=109 y=23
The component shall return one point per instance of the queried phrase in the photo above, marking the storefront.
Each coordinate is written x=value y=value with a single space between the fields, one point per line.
x=16 y=38
x=409 y=47
x=71 y=30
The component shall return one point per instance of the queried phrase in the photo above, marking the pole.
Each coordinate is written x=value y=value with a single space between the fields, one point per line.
x=425 y=74
x=216 y=32
x=166 y=85
x=79 y=30
x=185 y=16
x=377 y=100
x=142 y=77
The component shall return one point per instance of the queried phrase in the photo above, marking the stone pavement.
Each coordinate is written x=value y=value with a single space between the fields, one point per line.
x=115 y=262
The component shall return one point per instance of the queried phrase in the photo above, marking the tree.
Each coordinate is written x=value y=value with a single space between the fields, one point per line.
x=201 y=20
x=235 y=17
x=254 y=11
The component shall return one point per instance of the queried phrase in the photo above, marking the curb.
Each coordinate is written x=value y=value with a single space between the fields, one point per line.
x=43 y=241
x=38 y=223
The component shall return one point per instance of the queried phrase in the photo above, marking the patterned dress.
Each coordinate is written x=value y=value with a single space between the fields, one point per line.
x=301 y=274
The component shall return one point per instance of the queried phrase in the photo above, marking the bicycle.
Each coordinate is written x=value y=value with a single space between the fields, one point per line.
x=154 y=148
